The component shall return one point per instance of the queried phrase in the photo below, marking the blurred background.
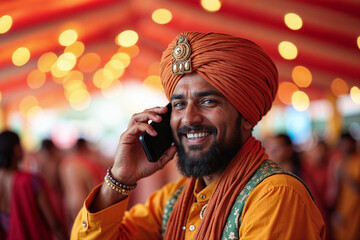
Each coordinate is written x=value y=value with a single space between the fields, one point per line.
x=72 y=72
x=80 y=68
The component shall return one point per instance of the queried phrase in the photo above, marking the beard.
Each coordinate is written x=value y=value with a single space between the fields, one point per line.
x=215 y=159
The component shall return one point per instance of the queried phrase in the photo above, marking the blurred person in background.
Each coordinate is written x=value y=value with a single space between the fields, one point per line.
x=345 y=194
x=315 y=173
x=48 y=159
x=25 y=209
x=80 y=172
x=281 y=150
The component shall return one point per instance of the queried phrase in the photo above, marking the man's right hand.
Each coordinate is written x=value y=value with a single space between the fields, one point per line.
x=130 y=163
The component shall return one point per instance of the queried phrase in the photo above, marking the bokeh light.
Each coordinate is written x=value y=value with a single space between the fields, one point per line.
x=154 y=82
x=339 y=87
x=36 y=79
x=132 y=51
x=358 y=42
x=300 y=101
x=21 y=56
x=78 y=95
x=76 y=91
x=161 y=16
x=288 y=50
x=211 y=5
x=5 y=23
x=57 y=72
x=103 y=79
x=73 y=85
x=77 y=48
x=26 y=104
x=301 y=76
x=127 y=38
x=75 y=102
x=46 y=61
x=293 y=21
x=89 y=62
x=68 y=37
x=73 y=76
x=123 y=58
x=114 y=69
x=285 y=91
x=66 y=61
x=355 y=94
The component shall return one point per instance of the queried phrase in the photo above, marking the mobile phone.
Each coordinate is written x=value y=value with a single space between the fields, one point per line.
x=155 y=147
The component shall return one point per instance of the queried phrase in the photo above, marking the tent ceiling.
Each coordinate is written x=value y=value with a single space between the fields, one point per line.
x=326 y=43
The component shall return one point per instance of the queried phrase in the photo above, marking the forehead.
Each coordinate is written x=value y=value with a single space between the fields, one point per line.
x=193 y=82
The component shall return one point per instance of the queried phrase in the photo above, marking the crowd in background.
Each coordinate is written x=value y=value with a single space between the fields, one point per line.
x=59 y=180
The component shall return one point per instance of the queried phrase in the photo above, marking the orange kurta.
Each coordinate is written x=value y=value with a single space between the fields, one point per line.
x=278 y=208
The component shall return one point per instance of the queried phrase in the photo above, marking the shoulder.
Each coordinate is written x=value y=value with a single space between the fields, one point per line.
x=282 y=201
x=278 y=182
x=282 y=189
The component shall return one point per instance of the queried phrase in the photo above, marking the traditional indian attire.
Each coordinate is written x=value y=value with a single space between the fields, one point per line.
x=25 y=222
x=277 y=207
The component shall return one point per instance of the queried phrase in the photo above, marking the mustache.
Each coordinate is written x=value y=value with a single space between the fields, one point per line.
x=198 y=127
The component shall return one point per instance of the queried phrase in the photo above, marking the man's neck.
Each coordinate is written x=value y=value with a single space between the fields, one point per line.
x=212 y=177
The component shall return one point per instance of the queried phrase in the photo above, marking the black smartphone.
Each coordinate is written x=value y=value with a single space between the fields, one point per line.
x=155 y=147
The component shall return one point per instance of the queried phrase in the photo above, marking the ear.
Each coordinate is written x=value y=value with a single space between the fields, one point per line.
x=246 y=125
x=246 y=128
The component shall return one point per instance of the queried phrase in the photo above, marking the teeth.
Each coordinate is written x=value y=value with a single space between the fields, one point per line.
x=197 y=135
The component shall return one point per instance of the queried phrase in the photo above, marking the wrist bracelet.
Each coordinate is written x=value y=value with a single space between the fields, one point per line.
x=117 y=186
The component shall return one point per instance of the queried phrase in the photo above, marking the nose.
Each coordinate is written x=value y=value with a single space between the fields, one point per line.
x=192 y=115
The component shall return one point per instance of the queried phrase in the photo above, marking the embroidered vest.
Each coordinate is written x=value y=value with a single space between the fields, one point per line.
x=231 y=229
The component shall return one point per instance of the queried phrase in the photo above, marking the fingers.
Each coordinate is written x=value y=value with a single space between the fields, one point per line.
x=148 y=114
x=139 y=124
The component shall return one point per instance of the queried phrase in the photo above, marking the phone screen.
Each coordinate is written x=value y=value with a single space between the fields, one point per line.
x=155 y=147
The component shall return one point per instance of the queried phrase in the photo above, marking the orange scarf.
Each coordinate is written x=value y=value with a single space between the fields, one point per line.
x=231 y=182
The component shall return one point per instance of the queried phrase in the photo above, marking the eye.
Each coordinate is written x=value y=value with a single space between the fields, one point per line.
x=208 y=102
x=178 y=105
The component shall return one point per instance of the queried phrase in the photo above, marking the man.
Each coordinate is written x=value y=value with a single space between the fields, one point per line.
x=219 y=86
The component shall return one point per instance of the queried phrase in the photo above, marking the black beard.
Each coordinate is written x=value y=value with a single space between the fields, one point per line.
x=213 y=160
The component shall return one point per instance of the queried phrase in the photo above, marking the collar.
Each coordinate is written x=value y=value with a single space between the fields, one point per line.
x=202 y=194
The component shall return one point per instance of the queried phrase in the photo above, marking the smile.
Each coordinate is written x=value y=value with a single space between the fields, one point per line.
x=197 y=135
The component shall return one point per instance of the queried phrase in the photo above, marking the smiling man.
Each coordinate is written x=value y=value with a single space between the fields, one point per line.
x=219 y=86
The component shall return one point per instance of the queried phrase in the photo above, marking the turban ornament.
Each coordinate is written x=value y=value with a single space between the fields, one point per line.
x=181 y=63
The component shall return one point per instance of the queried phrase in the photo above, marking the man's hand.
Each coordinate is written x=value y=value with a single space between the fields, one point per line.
x=130 y=163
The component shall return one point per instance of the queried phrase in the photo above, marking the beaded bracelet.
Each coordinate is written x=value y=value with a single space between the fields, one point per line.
x=117 y=186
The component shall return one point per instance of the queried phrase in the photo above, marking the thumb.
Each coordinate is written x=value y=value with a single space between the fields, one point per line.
x=167 y=156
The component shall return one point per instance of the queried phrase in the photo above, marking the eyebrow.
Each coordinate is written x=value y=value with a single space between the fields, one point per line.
x=198 y=94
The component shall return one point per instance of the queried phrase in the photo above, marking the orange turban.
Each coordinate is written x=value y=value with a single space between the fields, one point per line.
x=237 y=67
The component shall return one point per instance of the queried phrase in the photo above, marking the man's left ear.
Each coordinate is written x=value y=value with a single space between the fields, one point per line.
x=246 y=125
